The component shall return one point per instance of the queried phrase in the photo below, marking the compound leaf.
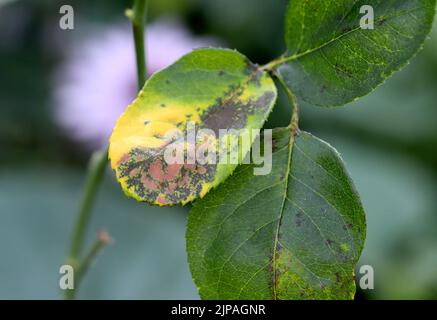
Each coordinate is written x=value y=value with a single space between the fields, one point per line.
x=332 y=60
x=211 y=88
x=296 y=233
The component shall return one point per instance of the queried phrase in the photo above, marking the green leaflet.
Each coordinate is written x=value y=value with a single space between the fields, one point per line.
x=213 y=88
x=332 y=61
x=294 y=234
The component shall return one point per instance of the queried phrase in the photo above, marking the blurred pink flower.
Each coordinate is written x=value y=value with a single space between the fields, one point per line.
x=98 y=79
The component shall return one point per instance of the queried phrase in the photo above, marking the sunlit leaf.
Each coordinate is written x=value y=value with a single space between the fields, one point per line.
x=213 y=88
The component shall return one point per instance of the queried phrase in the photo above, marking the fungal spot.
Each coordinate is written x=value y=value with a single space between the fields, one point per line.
x=381 y=22
x=329 y=242
x=146 y=122
x=298 y=219
x=163 y=105
x=231 y=112
x=221 y=73
x=347 y=29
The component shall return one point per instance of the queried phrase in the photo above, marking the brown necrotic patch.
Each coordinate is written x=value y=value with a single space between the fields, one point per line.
x=149 y=176
x=230 y=112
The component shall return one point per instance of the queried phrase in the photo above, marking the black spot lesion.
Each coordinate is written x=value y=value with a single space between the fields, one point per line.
x=230 y=112
x=330 y=242
x=254 y=74
x=347 y=29
x=299 y=218
x=344 y=69
x=381 y=22
x=158 y=136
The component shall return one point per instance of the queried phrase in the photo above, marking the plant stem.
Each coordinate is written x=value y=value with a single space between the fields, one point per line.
x=97 y=165
x=137 y=15
x=102 y=241
x=294 y=123
x=96 y=170
x=274 y=63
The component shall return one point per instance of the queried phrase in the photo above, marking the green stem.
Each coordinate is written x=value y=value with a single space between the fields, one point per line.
x=102 y=241
x=294 y=123
x=98 y=163
x=96 y=170
x=274 y=63
x=137 y=15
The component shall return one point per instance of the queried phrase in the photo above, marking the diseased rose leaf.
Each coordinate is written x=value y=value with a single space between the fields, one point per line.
x=334 y=61
x=213 y=88
x=296 y=233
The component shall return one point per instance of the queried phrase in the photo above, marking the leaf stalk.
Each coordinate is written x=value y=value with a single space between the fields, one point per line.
x=294 y=123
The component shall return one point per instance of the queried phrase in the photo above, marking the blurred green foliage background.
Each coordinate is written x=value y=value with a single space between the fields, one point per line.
x=388 y=141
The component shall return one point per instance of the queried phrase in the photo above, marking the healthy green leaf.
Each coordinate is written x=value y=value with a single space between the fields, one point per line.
x=213 y=88
x=294 y=234
x=332 y=60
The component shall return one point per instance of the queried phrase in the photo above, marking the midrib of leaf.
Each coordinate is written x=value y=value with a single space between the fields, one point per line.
x=281 y=214
x=294 y=128
x=285 y=59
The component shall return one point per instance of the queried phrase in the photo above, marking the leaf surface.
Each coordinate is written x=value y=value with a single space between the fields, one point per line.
x=212 y=88
x=333 y=61
x=296 y=233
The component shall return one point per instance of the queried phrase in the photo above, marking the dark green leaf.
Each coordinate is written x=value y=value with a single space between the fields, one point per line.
x=332 y=60
x=296 y=233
